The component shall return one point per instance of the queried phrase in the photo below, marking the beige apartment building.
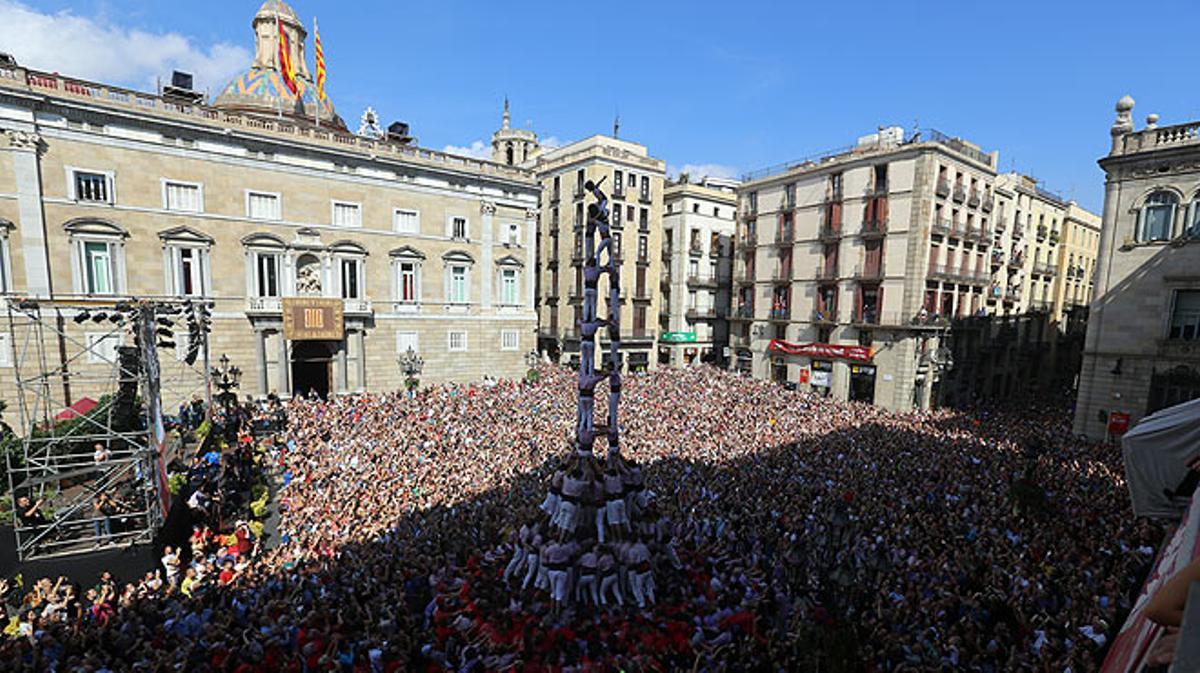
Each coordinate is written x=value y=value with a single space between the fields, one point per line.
x=634 y=182
x=698 y=229
x=1144 y=324
x=107 y=194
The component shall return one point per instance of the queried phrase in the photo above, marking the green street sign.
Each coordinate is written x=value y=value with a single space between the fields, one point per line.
x=679 y=337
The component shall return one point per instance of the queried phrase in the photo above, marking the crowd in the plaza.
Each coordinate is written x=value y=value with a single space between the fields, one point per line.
x=787 y=532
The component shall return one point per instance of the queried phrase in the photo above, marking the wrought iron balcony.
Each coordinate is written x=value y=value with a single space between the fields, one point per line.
x=873 y=228
x=780 y=314
x=960 y=193
x=943 y=188
x=829 y=234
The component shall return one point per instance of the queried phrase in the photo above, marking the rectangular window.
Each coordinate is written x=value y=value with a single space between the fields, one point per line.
x=189 y=272
x=405 y=341
x=183 y=196
x=1185 y=316
x=350 y=276
x=643 y=248
x=458 y=285
x=98 y=268
x=5 y=283
x=263 y=206
x=346 y=214
x=508 y=287
x=510 y=340
x=457 y=341
x=266 y=269
x=617 y=182
x=91 y=187
x=102 y=347
x=458 y=227
x=408 y=282
x=616 y=216
x=406 y=221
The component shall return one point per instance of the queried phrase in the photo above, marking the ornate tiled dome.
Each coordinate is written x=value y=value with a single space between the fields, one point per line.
x=260 y=90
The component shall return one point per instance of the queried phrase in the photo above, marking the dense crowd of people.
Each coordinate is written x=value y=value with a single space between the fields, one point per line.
x=791 y=533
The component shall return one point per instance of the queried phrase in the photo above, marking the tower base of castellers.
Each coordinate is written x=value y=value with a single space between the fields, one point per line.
x=591 y=544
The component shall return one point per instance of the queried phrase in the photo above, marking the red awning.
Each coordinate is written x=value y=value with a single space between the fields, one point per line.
x=79 y=408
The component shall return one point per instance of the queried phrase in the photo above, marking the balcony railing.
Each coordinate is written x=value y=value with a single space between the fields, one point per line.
x=988 y=203
x=644 y=197
x=749 y=239
x=357 y=307
x=618 y=193
x=1042 y=231
x=1012 y=294
x=824 y=273
x=555 y=197
x=1018 y=231
x=781 y=274
x=943 y=188
x=827 y=316
x=960 y=193
x=744 y=312
x=666 y=254
x=1000 y=224
x=785 y=236
x=781 y=314
x=868 y=272
x=1017 y=260
x=973 y=199
x=264 y=305
x=701 y=314
x=696 y=249
x=877 y=189
x=872 y=228
x=997 y=257
x=942 y=227
x=1054 y=238
x=829 y=233
x=578 y=192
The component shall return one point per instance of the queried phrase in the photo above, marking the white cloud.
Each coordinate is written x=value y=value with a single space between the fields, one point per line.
x=476 y=150
x=551 y=143
x=95 y=49
x=697 y=171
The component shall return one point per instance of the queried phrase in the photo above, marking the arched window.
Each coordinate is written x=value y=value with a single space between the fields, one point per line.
x=1158 y=216
x=509 y=152
x=1191 y=228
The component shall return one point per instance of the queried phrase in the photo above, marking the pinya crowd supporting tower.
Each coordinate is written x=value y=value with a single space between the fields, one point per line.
x=593 y=544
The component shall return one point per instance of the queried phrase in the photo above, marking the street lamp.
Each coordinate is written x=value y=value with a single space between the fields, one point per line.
x=531 y=361
x=411 y=364
x=226 y=378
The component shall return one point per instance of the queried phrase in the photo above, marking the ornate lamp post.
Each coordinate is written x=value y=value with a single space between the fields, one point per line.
x=531 y=361
x=227 y=378
x=411 y=364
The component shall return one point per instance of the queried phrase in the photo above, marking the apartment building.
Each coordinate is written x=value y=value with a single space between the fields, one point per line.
x=109 y=194
x=634 y=182
x=697 y=248
x=1141 y=351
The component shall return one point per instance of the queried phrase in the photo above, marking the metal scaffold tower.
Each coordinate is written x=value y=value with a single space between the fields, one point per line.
x=88 y=473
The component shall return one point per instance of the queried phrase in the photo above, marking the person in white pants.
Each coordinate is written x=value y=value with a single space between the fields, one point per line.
x=606 y=567
x=586 y=587
x=520 y=554
x=637 y=560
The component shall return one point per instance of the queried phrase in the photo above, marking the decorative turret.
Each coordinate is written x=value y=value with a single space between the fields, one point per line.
x=513 y=147
x=260 y=90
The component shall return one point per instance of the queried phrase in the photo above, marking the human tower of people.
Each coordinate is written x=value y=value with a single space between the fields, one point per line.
x=592 y=545
x=808 y=533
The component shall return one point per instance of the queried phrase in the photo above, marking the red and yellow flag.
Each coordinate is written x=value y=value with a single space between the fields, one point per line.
x=287 y=71
x=320 y=61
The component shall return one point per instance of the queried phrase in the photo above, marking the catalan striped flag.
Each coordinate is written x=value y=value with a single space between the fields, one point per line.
x=287 y=70
x=320 y=61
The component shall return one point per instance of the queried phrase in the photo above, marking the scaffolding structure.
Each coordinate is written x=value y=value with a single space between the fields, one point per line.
x=96 y=479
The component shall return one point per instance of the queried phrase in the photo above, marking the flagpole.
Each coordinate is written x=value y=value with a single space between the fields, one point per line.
x=279 y=63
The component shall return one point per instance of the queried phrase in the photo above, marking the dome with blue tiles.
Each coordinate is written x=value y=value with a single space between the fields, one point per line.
x=260 y=89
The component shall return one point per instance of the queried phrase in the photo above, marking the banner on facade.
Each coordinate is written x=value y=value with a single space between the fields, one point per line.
x=1118 y=423
x=856 y=353
x=312 y=319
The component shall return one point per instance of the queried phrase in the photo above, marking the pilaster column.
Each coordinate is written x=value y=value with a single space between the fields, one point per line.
x=487 y=211
x=285 y=366
x=260 y=360
x=26 y=147
x=360 y=338
x=531 y=257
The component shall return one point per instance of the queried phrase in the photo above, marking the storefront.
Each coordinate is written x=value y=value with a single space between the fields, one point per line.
x=862 y=383
x=821 y=377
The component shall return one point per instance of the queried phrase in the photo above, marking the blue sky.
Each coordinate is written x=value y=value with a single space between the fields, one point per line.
x=730 y=86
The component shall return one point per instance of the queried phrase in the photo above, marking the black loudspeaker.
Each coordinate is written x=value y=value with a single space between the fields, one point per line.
x=125 y=404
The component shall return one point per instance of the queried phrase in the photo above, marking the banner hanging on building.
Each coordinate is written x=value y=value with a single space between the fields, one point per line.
x=818 y=350
x=312 y=319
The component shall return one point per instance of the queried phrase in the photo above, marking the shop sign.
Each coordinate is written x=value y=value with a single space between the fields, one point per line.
x=822 y=379
x=1118 y=423
x=862 y=370
x=312 y=319
x=804 y=375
